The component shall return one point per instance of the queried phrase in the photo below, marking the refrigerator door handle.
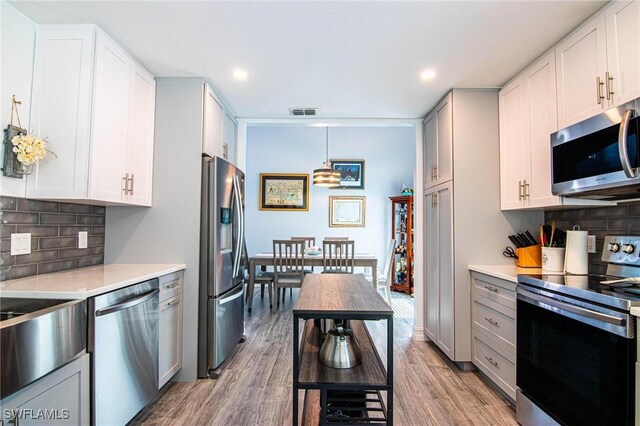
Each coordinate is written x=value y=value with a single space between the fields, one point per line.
x=238 y=209
x=242 y=241
x=232 y=297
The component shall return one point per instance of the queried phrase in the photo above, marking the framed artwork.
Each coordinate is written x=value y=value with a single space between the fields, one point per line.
x=284 y=192
x=347 y=212
x=351 y=173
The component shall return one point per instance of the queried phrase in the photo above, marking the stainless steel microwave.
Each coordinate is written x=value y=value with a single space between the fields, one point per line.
x=599 y=158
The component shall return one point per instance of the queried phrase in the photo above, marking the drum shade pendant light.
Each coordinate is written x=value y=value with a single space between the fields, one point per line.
x=325 y=175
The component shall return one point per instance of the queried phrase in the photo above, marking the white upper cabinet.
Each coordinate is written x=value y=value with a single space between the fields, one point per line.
x=213 y=122
x=95 y=105
x=581 y=62
x=623 y=51
x=438 y=144
x=229 y=135
x=598 y=65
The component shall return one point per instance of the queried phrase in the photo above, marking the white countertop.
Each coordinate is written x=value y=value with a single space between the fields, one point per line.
x=635 y=311
x=84 y=282
x=504 y=272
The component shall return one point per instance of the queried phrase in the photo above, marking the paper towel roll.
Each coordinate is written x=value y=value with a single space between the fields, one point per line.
x=576 y=260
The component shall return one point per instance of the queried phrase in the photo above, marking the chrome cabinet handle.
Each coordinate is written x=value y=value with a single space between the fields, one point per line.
x=130 y=181
x=125 y=181
x=599 y=85
x=173 y=302
x=435 y=172
x=495 y=363
x=525 y=194
x=622 y=144
x=435 y=199
x=520 y=191
x=491 y=321
x=174 y=285
x=609 y=85
x=490 y=288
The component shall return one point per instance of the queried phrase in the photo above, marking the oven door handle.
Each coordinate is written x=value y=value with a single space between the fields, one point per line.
x=570 y=308
x=622 y=144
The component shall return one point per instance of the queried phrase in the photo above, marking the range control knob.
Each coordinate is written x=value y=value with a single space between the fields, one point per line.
x=614 y=247
x=628 y=248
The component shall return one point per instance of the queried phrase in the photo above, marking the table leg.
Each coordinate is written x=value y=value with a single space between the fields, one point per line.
x=374 y=273
x=252 y=282
x=296 y=368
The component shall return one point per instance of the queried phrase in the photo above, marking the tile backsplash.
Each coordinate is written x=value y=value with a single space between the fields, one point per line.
x=54 y=231
x=623 y=219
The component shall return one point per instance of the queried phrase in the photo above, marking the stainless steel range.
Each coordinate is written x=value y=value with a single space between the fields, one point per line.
x=577 y=346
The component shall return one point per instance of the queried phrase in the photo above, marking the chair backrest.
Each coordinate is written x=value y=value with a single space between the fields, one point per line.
x=335 y=238
x=308 y=241
x=338 y=256
x=388 y=266
x=288 y=259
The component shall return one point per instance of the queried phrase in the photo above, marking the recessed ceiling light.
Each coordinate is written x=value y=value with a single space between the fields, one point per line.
x=427 y=74
x=240 y=74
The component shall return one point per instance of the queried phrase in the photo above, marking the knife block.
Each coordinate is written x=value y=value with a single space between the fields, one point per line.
x=529 y=257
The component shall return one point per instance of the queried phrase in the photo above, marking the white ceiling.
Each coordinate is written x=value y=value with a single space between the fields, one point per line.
x=350 y=59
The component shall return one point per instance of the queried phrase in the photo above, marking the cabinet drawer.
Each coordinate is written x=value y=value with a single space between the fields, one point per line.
x=170 y=285
x=494 y=289
x=496 y=320
x=498 y=368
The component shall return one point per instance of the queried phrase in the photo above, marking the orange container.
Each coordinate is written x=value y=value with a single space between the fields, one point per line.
x=529 y=257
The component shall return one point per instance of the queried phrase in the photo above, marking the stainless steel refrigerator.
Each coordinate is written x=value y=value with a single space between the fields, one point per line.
x=221 y=299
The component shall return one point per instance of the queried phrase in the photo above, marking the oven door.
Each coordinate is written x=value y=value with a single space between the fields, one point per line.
x=575 y=360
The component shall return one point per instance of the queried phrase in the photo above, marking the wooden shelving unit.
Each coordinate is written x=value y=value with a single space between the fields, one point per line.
x=359 y=395
x=402 y=232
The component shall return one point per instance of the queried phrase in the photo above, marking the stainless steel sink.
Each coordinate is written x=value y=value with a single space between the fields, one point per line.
x=38 y=336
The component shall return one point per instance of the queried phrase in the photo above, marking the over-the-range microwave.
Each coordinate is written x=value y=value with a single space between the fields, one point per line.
x=599 y=158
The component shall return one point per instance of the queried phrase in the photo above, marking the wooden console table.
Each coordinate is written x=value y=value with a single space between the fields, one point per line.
x=350 y=297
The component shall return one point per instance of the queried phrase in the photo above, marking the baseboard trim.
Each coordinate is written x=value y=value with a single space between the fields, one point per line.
x=418 y=334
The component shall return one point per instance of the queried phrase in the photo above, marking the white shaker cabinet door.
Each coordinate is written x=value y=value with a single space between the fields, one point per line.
x=540 y=98
x=213 y=121
x=430 y=137
x=444 y=124
x=170 y=343
x=61 y=111
x=229 y=131
x=581 y=64
x=140 y=137
x=446 y=311
x=513 y=144
x=432 y=294
x=110 y=121
x=623 y=51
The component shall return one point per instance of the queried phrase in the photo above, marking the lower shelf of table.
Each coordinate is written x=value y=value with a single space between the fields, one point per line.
x=344 y=407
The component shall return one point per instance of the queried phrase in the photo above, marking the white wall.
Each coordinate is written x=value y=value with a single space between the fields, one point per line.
x=17 y=44
x=389 y=163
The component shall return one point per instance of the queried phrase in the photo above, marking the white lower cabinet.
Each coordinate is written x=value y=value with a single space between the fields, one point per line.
x=493 y=325
x=60 y=398
x=170 y=345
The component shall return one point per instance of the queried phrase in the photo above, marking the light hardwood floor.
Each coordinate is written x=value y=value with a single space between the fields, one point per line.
x=255 y=387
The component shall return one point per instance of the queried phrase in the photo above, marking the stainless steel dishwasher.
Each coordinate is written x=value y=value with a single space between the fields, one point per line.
x=123 y=340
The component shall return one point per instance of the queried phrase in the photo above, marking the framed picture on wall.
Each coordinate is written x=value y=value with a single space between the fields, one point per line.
x=284 y=192
x=351 y=173
x=347 y=212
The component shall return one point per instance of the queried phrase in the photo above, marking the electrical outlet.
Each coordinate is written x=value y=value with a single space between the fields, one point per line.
x=82 y=239
x=591 y=244
x=20 y=244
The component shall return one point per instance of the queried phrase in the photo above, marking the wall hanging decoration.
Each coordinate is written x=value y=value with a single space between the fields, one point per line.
x=21 y=149
x=325 y=175
x=284 y=192
x=347 y=212
x=351 y=173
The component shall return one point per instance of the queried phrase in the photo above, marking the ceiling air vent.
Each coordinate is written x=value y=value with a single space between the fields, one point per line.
x=301 y=112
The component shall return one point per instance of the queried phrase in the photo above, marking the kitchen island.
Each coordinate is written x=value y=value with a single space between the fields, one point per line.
x=350 y=297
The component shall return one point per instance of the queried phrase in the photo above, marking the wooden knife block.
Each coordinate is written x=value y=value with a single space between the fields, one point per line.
x=529 y=257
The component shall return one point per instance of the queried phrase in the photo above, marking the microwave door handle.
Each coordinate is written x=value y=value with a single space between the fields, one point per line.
x=622 y=144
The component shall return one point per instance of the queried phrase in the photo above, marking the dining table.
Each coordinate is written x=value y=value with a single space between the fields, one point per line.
x=361 y=260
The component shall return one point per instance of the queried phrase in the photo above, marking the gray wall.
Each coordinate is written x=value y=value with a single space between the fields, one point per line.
x=54 y=231
x=389 y=163
x=601 y=221
x=169 y=232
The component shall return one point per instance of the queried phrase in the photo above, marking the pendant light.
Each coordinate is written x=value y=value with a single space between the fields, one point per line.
x=325 y=175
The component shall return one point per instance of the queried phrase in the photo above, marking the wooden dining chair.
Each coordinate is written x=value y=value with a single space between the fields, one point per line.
x=288 y=265
x=386 y=276
x=338 y=256
x=308 y=242
x=262 y=277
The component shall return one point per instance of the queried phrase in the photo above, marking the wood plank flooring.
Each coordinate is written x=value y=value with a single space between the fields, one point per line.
x=255 y=387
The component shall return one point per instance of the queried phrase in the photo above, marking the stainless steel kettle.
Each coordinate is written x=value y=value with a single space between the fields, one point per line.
x=340 y=349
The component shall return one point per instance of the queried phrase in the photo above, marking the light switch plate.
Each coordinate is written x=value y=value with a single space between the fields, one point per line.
x=591 y=243
x=82 y=239
x=20 y=244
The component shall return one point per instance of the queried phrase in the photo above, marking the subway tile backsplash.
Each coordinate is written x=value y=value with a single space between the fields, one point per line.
x=623 y=219
x=54 y=231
